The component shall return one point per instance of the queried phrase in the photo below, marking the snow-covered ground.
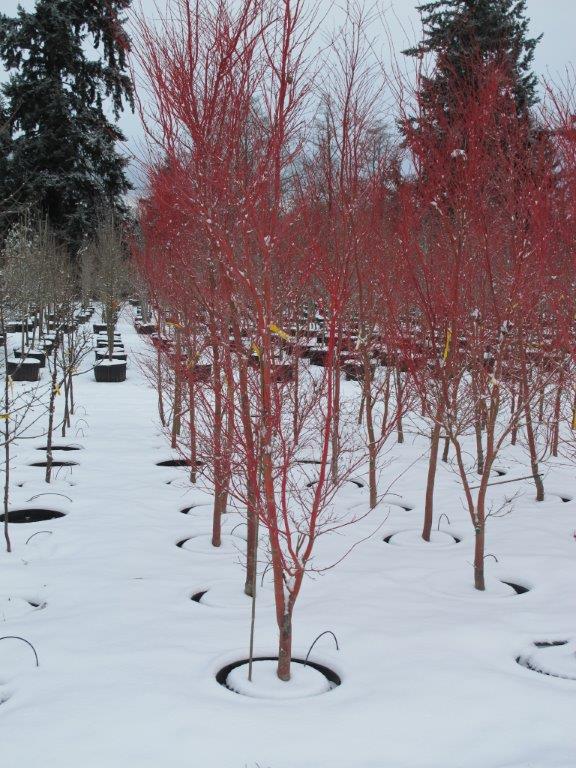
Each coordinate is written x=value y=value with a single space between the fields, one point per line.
x=128 y=660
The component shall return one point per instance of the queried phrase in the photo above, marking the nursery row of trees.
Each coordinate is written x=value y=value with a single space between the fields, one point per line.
x=289 y=240
x=45 y=303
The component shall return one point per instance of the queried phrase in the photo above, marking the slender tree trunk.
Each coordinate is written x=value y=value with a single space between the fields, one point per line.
x=6 y=442
x=285 y=647
x=479 y=543
x=160 y=387
x=192 y=427
x=385 y=414
x=372 y=444
x=514 y=432
x=557 y=407
x=50 y=430
x=399 y=404
x=335 y=424
x=531 y=439
x=432 y=467
x=446 y=450
x=177 y=412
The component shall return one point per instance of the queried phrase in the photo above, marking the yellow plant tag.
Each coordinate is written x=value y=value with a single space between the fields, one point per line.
x=279 y=332
x=56 y=389
x=255 y=349
x=4 y=416
x=447 y=345
x=574 y=419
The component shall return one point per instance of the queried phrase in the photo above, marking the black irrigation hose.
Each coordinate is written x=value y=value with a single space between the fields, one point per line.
x=49 y=493
x=36 y=534
x=327 y=632
x=23 y=639
x=440 y=519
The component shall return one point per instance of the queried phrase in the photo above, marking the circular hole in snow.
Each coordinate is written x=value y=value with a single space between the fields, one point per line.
x=199 y=508
x=413 y=538
x=357 y=483
x=231 y=596
x=307 y=679
x=553 y=658
x=460 y=584
x=56 y=463
x=177 y=463
x=60 y=448
x=15 y=607
x=31 y=515
x=202 y=544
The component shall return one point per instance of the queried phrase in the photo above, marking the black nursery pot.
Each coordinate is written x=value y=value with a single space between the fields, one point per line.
x=104 y=343
x=145 y=329
x=283 y=373
x=35 y=354
x=110 y=373
x=99 y=327
x=318 y=357
x=23 y=370
x=117 y=354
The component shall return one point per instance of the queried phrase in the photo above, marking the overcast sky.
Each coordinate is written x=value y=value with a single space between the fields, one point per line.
x=556 y=19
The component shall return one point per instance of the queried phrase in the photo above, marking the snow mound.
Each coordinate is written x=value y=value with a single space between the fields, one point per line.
x=413 y=538
x=202 y=544
x=231 y=595
x=555 y=660
x=304 y=682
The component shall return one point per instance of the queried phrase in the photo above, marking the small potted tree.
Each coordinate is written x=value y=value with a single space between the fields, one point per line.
x=111 y=282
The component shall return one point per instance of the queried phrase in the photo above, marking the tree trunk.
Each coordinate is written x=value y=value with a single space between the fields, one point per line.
x=335 y=424
x=432 y=466
x=6 y=446
x=51 y=410
x=372 y=446
x=399 y=405
x=285 y=647
x=557 y=407
x=446 y=450
x=479 y=537
x=176 y=415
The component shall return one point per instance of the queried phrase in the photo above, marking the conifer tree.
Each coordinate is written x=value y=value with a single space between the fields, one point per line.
x=460 y=34
x=63 y=159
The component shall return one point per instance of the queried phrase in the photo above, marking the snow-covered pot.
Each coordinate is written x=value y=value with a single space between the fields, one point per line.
x=18 y=327
x=201 y=372
x=23 y=369
x=104 y=343
x=134 y=302
x=2 y=340
x=146 y=328
x=117 y=354
x=284 y=372
x=318 y=356
x=99 y=327
x=354 y=370
x=37 y=354
x=110 y=371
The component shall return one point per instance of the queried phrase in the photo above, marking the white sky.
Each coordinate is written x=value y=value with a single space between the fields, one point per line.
x=555 y=18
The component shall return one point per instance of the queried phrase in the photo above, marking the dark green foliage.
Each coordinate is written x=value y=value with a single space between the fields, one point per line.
x=464 y=34
x=63 y=159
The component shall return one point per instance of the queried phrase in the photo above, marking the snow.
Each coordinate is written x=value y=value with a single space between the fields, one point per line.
x=105 y=363
x=304 y=681
x=128 y=661
x=556 y=660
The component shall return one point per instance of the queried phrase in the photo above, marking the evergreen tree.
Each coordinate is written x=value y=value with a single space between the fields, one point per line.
x=5 y=144
x=63 y=159
x=463 y=35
